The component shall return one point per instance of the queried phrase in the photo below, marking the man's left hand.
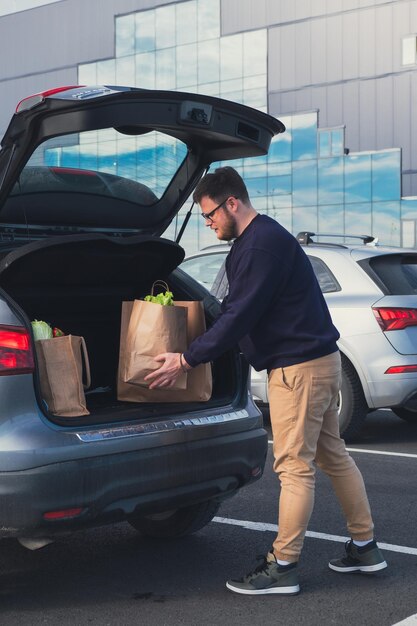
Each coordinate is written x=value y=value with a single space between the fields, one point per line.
x=167 y=374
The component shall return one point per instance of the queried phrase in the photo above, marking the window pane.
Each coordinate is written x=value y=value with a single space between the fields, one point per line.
x=145 y=70
x=125 y=35
x=386 y=175
x=386 y=222
x=186 y=66
x=279 y=185
x=208 y=61
x=165 y=26
x=324 y=143
x=186 y=22
x=409 y=208
x=331 y=181
x=281 y=145
x=231 y=57
x=165 y=69
x=106 y=72
x=409 y=50
x=337 y=142
x=304 y=182
x=358 y=219
x=145 y=35
x=304 y=136
x=125 y=71
x=330 y=219
x=208 y=19
x=304 y=218
x=87 y=74
x=254 y=52
x=358 y=179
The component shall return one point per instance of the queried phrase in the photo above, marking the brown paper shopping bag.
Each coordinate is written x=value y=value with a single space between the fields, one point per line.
x=62 y=362
x=153 y=329
x=199 y=379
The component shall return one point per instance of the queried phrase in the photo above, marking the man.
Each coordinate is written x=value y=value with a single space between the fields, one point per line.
x=276 y=312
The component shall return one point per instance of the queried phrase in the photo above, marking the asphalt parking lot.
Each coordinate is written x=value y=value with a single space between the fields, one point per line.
x=114 y=576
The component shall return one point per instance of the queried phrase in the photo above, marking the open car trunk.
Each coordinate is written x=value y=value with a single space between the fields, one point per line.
x=78 y=283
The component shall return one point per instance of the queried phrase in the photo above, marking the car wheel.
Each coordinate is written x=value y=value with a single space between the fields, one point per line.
x=353 y=408
x=406 y=414
x=177 y=522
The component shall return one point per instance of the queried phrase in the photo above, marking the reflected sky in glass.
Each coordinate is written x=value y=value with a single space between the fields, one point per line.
x=304 y=218
x=386 y=222
x=304 y=183
x=125 y=35
x=330 y=219
x=358 y=218
x=145 y=31
x=358 y=182
x=386 y=175
x=304 y=136
x=330 y=181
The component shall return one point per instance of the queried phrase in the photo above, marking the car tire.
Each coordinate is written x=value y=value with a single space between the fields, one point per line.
x=175 y=523
x=406 y=415
x=353 y=408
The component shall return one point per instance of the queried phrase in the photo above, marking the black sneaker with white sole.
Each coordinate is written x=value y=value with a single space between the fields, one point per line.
x=268 y=578
x=367 y=559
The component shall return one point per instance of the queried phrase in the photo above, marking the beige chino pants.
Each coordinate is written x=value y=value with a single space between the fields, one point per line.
x=305 y=427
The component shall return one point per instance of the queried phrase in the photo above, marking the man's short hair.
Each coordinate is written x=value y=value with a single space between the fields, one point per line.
x=222 y=183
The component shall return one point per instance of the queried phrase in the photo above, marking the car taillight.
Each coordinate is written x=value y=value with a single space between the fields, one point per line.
x=402 y=369
x=390 y=318
x=16 y=356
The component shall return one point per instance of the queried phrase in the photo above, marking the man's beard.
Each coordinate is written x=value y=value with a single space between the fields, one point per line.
x=229 y=230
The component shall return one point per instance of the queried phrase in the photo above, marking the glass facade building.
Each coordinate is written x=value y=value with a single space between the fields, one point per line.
x=308 y=181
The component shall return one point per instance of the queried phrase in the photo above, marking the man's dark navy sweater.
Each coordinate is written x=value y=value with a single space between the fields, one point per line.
x=275 y=310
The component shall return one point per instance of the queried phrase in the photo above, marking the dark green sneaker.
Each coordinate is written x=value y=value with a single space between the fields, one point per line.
x=367 y=559
x=269 y=577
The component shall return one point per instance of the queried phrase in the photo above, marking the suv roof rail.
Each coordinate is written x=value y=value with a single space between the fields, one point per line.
x=305 y=237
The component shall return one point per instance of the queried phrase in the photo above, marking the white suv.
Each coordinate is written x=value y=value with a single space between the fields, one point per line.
x=371 y=292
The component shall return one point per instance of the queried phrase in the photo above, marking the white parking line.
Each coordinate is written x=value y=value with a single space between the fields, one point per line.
x=382 y=452
x=264 y=527
x=408 y=621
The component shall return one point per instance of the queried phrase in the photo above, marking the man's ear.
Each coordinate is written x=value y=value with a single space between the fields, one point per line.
x=233 y=204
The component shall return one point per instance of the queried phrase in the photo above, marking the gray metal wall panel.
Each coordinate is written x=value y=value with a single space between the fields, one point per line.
x=334 y=48
x=334 y=105
x=384 y=40
x=302 y=53
x=350 y=115
x=367 y=43
x=318 y=52
x=350 y=52
x=384 y=113
x=401 y=117
x=303 y=100
x=319 y=101
x=287 y=49
x=367 y=105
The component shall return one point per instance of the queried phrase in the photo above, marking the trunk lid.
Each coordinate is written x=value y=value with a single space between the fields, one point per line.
x=116 y=159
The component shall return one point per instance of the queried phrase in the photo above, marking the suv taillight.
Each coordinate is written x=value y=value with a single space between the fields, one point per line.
x=390 y=318
x=16 y=356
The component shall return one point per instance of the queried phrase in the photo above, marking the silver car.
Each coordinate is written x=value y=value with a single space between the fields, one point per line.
x=90 y=177
x=371 y=292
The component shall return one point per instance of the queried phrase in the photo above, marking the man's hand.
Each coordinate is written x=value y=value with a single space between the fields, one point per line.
x=167 y=374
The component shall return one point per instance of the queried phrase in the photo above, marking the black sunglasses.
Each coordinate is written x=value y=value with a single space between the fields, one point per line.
x=209 y=216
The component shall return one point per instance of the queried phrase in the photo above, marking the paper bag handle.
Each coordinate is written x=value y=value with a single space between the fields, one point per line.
x=87 y=372
x=159 y=283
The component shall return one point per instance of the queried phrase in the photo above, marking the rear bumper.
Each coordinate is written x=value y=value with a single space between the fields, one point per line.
x=109 y=488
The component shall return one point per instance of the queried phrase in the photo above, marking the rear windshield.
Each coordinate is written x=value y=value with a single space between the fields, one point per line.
x=105 y=163
x=396 y=274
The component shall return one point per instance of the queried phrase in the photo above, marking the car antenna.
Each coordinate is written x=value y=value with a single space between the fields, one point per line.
x=187 y=217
